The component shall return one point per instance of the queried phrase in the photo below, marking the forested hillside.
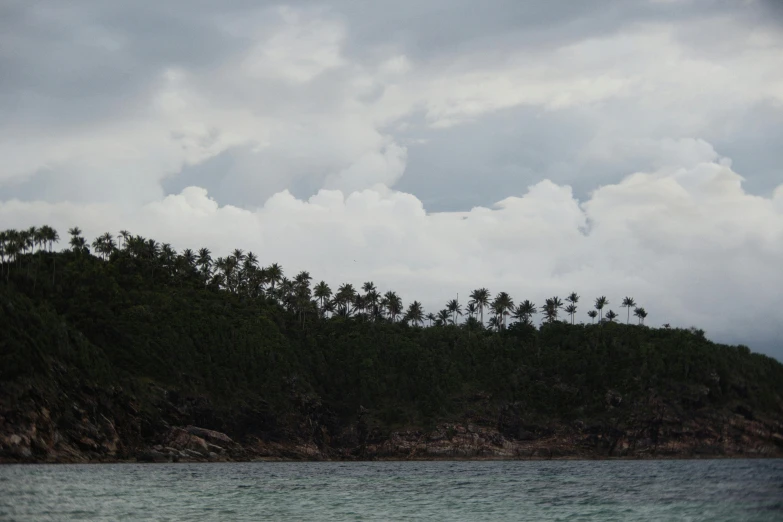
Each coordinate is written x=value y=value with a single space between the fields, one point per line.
x=105 y=351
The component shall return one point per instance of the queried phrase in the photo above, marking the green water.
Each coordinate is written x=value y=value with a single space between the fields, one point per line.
x=711 y=490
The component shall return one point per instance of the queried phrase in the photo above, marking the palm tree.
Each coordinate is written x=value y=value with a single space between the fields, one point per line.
x=124 y=236
x=431 y=317
x=502 y=306
x=592 y=314
x=77 y=241
x=104 y=245
x=415 y=313
x=48 y=236
x=524 y=311
x=481 y=297
x=571 y=310
x=641 y=313
x=344 y=298
x=185 y=264
x=549 y=310
x=274 y=274
x=322 y=292
x=471 y=309
x=31 y=238
x=368 y=287
x=204 y=263
x=610 y=315
x=455 y=309
x=12 y=250
x=443 y=318
x=152 y=250
x=495 y=322
x=573 y=299
x=3 y=249
x=600 y=303
x=393 y=305
x=628 y=303
x=371 y=299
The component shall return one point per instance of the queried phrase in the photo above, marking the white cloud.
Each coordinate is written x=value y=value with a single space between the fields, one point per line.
x=298 y=106
x=688 y=243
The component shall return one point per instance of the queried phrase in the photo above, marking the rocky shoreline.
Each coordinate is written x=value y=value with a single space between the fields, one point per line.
x=100 y=425
x=447 y=442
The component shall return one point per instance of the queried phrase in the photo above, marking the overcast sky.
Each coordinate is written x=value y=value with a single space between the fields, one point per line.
x=611 y=147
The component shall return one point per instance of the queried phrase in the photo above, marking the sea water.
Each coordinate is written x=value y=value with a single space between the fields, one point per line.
x=520 y=490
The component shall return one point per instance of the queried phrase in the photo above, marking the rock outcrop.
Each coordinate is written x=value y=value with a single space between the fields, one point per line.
x=96 y=425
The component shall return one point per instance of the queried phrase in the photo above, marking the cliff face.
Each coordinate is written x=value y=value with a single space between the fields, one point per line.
x=106 y=425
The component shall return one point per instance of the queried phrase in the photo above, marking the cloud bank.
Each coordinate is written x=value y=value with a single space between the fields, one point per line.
x=382 y=140
x=688 y=243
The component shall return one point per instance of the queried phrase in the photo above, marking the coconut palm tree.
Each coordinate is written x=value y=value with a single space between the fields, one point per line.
x=549 y=310
x=431 y=317
x=495 y=322
x=12 y=250
x=3 y=249
x=571 y=310
x=481 y=297
x=274 y=274
x=123 y=238
x=502 y=306
x=238 y=254
x=103 y=245
x=471 y=309
x=393 y=305
x=592 y=314
x=77 y=241
x=611 y=316
x=641 y=313
x=628 y=303
x=415 y=313
x=443 y=318
x=600 y=303
x=455 y=309
x=48 y=236
x=204 y=263
x=572 y=299
x=529 y=309
x=322 y=293
x=344 y=299
x=372 y=299
x=188 y=258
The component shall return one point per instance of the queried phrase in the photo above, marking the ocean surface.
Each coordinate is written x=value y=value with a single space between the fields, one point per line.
x=529 y=490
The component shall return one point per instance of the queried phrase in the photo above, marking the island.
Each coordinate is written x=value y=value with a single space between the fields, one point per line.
x=123 y=349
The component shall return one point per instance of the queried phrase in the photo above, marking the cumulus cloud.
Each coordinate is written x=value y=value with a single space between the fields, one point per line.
x=688 y=243
x=370 y=141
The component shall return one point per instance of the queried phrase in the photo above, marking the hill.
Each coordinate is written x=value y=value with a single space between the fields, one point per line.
x=142 y=353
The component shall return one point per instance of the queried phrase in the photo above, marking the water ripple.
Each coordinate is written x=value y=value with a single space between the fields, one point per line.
x=552 y=490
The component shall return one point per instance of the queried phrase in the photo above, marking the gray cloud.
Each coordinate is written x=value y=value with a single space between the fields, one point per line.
x=109 y=107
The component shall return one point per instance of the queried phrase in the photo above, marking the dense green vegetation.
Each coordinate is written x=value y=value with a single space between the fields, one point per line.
x=132 y=311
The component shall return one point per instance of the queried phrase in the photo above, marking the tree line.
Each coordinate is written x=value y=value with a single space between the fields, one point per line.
x=240 y=273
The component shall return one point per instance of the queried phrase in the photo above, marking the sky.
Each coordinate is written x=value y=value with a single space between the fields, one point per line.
x=538 y=147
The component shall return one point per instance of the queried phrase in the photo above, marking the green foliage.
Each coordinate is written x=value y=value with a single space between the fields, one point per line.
x=234 y=332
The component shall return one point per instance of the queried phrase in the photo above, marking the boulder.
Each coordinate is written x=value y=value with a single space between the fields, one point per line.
x=182 y=440
x=212 y=436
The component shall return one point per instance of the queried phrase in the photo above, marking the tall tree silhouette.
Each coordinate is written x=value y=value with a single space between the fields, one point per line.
x=628 y=303
x=600 y=303
x=481 y=297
